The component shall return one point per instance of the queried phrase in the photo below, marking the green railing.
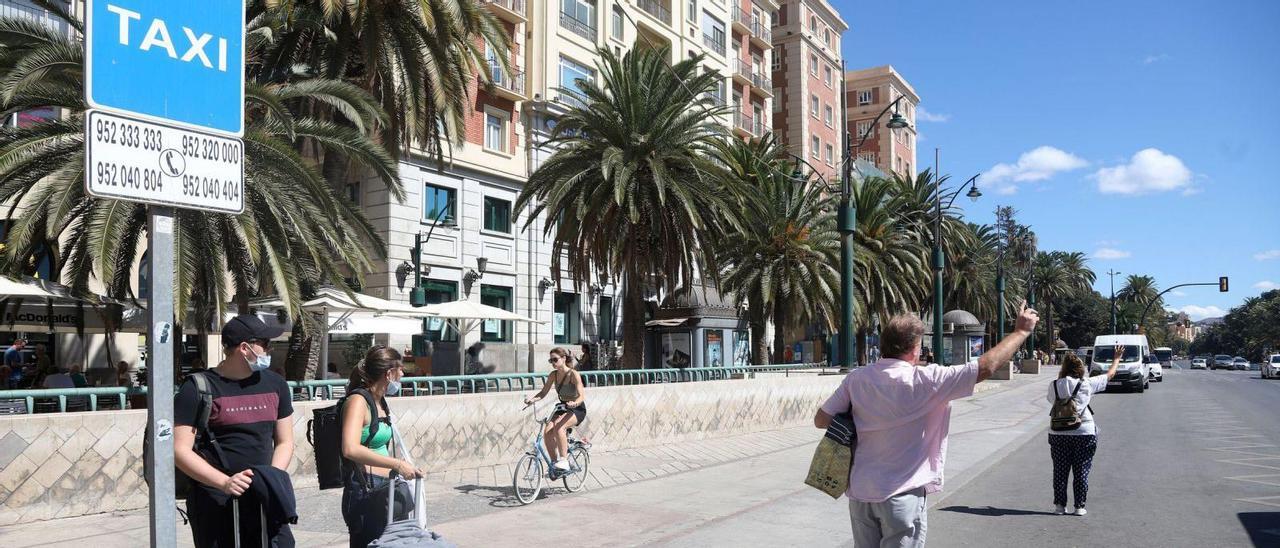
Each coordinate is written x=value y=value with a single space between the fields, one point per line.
x=92 y=399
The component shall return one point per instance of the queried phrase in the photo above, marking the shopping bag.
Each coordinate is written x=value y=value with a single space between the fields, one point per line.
x=833 y=459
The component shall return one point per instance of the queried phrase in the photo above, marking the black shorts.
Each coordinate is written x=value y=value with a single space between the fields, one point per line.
x=580 y=412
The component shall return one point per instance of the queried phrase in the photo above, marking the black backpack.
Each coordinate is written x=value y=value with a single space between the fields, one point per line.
x=324 y=433
x=182 y=483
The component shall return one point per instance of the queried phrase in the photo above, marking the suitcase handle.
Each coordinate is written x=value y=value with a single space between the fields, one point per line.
x=419 y=514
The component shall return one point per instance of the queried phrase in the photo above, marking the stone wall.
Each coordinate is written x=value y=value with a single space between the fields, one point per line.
x=63 y=465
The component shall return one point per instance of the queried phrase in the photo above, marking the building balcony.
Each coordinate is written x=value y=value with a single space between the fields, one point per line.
x=585 y=30
x=760 y=35
x=761 y=84
x=742 y=72
x=508 y=85
x=741 y=20
x=714 y=43
x=744 y=125
x=511 y=11
x=657 y=10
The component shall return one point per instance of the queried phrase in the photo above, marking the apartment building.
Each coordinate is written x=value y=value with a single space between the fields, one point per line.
x=806 y=82
x=867 y=93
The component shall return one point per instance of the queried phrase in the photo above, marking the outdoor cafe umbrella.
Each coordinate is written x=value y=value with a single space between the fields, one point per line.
x=464 y=316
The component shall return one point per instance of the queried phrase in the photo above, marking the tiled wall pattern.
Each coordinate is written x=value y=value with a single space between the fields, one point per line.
x=54 y=466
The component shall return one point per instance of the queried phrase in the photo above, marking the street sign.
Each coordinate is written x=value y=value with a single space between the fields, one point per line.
x=135 y=160
x=180 y=63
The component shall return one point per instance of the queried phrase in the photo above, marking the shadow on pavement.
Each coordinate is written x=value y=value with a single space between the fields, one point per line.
x=1263 y=527
x=994 y=512
x=498 y=496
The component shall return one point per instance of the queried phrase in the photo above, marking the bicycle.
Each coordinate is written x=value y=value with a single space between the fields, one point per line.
x=528 y=475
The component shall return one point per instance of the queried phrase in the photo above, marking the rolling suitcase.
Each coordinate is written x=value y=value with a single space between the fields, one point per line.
x=411 y=532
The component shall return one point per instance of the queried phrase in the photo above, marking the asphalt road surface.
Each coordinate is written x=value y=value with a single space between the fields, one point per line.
x=1193 y=461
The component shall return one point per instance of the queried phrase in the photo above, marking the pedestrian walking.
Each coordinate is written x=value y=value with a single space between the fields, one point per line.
x=587 y=359
x=366 y=435
x=902 y=412
x=1073 y=435
x=251 y=421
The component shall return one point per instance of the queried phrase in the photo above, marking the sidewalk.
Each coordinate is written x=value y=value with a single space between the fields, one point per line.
x=737 y=490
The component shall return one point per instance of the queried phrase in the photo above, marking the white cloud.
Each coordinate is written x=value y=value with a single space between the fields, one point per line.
x=1035 y=165
x=1267 y=255
x=1266 y=285
x=1150 y=170
x=1109 y=253
x=1200 y=312
x=926 y=116
x=1156 y=58
x=1177 y=293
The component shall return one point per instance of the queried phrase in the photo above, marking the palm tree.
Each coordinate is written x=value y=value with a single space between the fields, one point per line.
x=782 y=263
x=633 y=190
x=971 y=272
x=1059 y=275
x=293 y=227
x=418 y=58
x=1139 y=289
x=890 y=256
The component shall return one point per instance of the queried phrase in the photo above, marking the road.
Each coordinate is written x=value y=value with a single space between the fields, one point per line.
x=1193 y=461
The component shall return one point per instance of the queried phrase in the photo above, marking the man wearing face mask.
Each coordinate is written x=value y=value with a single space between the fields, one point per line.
x=251 y=426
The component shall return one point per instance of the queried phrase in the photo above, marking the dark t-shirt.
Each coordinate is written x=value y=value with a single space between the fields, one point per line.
x=243 y=416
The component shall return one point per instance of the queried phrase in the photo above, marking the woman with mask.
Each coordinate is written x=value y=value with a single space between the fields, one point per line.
x=366 y=434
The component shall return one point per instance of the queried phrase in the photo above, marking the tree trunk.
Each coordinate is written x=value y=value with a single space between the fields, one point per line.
x=633 y=330
x=779 y=332
x=759 y=347
x=1048 y=324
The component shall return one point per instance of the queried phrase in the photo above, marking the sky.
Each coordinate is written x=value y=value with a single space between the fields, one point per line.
x=1137 y=132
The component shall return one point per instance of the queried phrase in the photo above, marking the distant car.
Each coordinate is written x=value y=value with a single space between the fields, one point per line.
x=1271 y=367
x=1240 y=364
x=1155 y=370
x=1199 y=363
x=1221 y=361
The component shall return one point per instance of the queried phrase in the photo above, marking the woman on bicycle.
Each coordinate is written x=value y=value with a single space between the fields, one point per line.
x=569 y=389
x=367 y=463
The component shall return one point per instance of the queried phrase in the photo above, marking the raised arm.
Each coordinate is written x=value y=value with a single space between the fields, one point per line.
x=1115 y=361
x=546 y=387
x=1000 y=355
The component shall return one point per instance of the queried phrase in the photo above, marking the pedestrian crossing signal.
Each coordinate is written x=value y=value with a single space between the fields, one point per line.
x=1222 y=284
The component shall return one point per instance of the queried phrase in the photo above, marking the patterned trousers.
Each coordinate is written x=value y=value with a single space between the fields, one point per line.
x=1071 y=455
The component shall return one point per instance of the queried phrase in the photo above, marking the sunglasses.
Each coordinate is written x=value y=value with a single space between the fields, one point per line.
x=554 y=360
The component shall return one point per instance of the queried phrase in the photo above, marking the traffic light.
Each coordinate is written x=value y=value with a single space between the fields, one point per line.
x=1222 y=284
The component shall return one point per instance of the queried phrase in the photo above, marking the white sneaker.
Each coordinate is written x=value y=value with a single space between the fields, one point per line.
x=1059 y=510
x=562 y=465
x=1081 y=511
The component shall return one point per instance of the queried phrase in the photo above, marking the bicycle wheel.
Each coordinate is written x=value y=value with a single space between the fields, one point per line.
x=527 y=479
x=579 y=460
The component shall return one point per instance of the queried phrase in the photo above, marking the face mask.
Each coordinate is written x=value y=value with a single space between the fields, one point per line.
x=393 y=388
x=261 y=362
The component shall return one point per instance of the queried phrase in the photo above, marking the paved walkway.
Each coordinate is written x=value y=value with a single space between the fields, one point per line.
x=735 y=490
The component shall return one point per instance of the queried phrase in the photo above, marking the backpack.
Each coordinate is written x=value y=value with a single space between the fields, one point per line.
x=324 y=433
x=181 y=482
x=1066 y=413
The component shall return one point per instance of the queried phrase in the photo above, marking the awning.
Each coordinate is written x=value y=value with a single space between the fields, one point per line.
x=672 y=322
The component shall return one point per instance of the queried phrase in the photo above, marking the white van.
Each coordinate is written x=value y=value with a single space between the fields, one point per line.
x=1133 y=372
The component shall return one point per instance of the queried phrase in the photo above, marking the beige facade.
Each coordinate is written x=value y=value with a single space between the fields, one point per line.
x=869 y=91
x=806 y=78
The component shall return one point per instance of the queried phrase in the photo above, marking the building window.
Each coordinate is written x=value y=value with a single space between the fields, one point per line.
x=497 y=215
x=605 y=319
x=617 y=23
x=826 y=37
x=777 y=99
x=495 y=131
x=579 y=16
x=438 y=203
x=813 y=105
x=814 y=145
x=498 y=297
x=570 y=72
x=864 y=128
x=813 y=24
x=828 y=114
x=864 y=97
x=813 y=64
x=868 y=157
x=564 y=325
x=713 y=34
x=440 y=291
x=691 y=11
x=831 y=154
x=353 y=192
x=826 y=76
x=775 y=58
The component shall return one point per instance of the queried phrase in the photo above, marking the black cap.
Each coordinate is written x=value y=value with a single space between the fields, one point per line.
x=245 y=328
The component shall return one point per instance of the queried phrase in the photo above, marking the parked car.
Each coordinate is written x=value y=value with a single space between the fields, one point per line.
x=1133 y=372
x=1221 y=361
x=1240 y=364
x=1271 y=367
x=1155 y=370
x=1199 y=363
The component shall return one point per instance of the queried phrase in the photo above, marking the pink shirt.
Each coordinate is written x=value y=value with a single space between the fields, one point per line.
x=902 y=413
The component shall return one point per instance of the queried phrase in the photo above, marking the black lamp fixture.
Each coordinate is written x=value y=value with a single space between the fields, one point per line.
x=974 y=193
x=471 y=275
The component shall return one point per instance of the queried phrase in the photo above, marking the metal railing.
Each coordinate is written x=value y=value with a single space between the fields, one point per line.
x=512 y=81
x=761 y=30
x=742 y=120
x=715 y=43
x=656 y=9
x=742 y=17
x=748 y=71
x=113 y=397
x=511 y=5
x=583 y=29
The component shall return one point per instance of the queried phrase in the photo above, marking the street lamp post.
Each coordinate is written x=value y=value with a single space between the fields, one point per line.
x=846 y=220
x=1031 y=289
x=1112 y=273
x=1001 y=221
x=939 y=260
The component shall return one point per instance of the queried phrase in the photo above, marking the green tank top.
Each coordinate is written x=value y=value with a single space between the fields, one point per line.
x=379 y=443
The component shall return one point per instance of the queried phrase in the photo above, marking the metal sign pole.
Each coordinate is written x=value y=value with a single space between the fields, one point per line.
x=163 y=506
